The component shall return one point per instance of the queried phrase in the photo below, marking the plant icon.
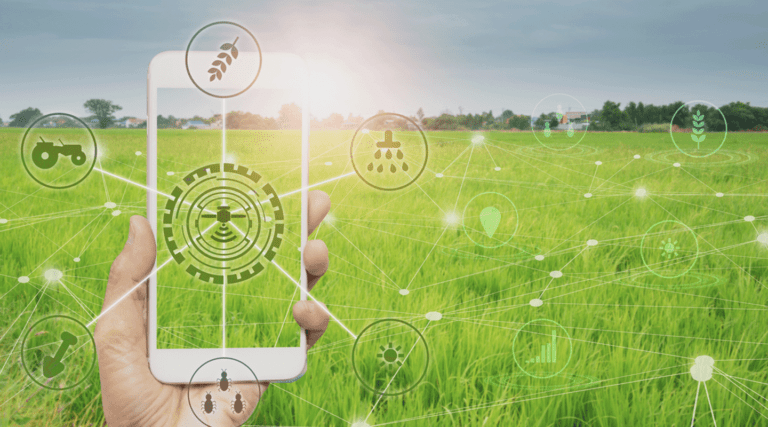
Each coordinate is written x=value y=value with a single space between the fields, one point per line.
x=547 y=130
x=215 y=72
x=669 y=249
x=698 y=129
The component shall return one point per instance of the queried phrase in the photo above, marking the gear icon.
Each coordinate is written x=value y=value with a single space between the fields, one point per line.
x=222 y=224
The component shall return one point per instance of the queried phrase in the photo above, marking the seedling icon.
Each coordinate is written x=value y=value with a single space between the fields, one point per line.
x=52 y=365
x=698 y=129
x=386 y=147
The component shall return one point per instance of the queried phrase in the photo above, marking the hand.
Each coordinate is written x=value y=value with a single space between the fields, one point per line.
x=130 y=394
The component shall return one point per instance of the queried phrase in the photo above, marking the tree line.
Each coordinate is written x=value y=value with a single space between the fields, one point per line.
x=738 y=115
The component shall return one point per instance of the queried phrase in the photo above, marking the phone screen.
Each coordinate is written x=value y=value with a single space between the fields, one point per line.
x=228 y=219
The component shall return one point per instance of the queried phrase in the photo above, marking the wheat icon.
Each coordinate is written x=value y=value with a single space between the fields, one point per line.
x=698 y=129
x=215 y=72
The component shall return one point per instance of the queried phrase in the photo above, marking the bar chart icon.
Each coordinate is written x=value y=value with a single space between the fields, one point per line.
x=548 y=352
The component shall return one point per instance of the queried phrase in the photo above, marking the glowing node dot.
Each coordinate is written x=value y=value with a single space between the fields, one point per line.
x=361 y=424
x=404 y=292
x=637 y=156
x=110 y=205
x=328 y=163
x=591 y=242
x=53 y=275
x=116 y=212
x=497 y=168
x=439 y=175
x=677 y=165
x=763 y=238
x=719 y=194
x=641 y=192
x=23 y=279
x=138 y=153
x=3 y=221
x=598 y=163
x=588 y=195
x=539 y=257
x=433 y=315
x=452 y=218
x=170 y=173
x=749 y=218
x=556 y=274
x=536 y=302
x=477 y=139
x=366 y=131
x=702 y=369
x=77 y=259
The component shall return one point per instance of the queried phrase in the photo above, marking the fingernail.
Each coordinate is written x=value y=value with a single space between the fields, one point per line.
x=131 y=234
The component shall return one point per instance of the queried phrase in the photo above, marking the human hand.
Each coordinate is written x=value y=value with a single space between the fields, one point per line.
x=130 y=393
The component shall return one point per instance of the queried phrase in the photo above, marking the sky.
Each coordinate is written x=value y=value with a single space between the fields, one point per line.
x=399 y=56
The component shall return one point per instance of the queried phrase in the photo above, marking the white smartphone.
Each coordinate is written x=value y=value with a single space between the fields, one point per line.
x=227 y=201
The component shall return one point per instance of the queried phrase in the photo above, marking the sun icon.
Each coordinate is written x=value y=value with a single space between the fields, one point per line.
x=669 y=249
x=390 y=355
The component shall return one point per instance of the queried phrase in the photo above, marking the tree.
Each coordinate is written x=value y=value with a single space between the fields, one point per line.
x=25 y=117
x=519 y=122
x=102 y=110
x=613 y=118
x=506 y=115
x=290 y=116
x=420 y=115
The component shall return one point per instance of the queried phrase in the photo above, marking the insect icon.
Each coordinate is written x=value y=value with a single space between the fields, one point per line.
x=209 y=405
x=387 y=147
x=223 y=382
x=238 y=404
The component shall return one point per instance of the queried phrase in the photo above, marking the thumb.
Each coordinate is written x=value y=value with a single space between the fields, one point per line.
x=121 y=338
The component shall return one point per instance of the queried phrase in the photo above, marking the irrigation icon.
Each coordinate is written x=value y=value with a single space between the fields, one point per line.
x=387 y=147
x=46 y=154
x=490 y=220
x=223 y=223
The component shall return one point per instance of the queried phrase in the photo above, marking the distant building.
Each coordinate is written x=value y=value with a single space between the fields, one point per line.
x=197 y=124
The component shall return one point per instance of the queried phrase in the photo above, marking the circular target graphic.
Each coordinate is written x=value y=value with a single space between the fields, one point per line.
x=557 y=127
x=223 y=392
x=222 y=223
x=669 y=249
x=542 y=348
x=701 y=142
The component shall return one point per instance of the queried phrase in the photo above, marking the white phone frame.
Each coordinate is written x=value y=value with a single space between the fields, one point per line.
x=275 y=364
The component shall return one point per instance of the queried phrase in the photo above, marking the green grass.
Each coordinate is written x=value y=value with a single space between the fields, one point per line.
x=628 y=326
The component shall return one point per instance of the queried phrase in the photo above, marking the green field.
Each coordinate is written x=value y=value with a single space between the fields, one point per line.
x=633 y=335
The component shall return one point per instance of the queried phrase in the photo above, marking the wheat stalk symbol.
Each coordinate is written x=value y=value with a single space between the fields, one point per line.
x=698 y=129
x=215 y=72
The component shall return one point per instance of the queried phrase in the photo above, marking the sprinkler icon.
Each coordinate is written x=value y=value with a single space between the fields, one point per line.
x=386 y=147
x=45 y=154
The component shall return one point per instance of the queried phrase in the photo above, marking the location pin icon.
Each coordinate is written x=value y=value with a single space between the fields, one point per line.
x=490 y=217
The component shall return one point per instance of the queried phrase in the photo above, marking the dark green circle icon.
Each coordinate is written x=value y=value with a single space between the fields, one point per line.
x=669 y=249
x=226 y=57
x=222 y=223
x=698 y=133
x=58 y=151
x=389 y=151
x=559 y=139
x=225 y=392
x=53 y=352
x=490 y=220
x=390 y=357
x=542 y=354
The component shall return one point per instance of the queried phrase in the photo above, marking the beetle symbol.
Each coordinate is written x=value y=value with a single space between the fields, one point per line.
x=223 y=382
x=238 y=405
x=209 y=405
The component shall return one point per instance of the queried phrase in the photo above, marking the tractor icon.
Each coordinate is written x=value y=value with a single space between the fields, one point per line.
x=45 y=154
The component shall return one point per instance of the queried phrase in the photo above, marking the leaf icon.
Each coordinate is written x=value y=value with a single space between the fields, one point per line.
x=698 y=118
x=221 y=65
x=226 y=46
x=234 y=52
x=697 y=131
x=226 y=56
x=698 y=124
x=698 y=139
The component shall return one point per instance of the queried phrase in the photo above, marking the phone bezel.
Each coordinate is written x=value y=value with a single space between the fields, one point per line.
x=275 y=364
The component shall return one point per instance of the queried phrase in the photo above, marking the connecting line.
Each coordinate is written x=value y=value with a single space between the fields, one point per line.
x=695 y=402
x=133 y=183
x=396 y=372
x=712 y=411
x=311 y=296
